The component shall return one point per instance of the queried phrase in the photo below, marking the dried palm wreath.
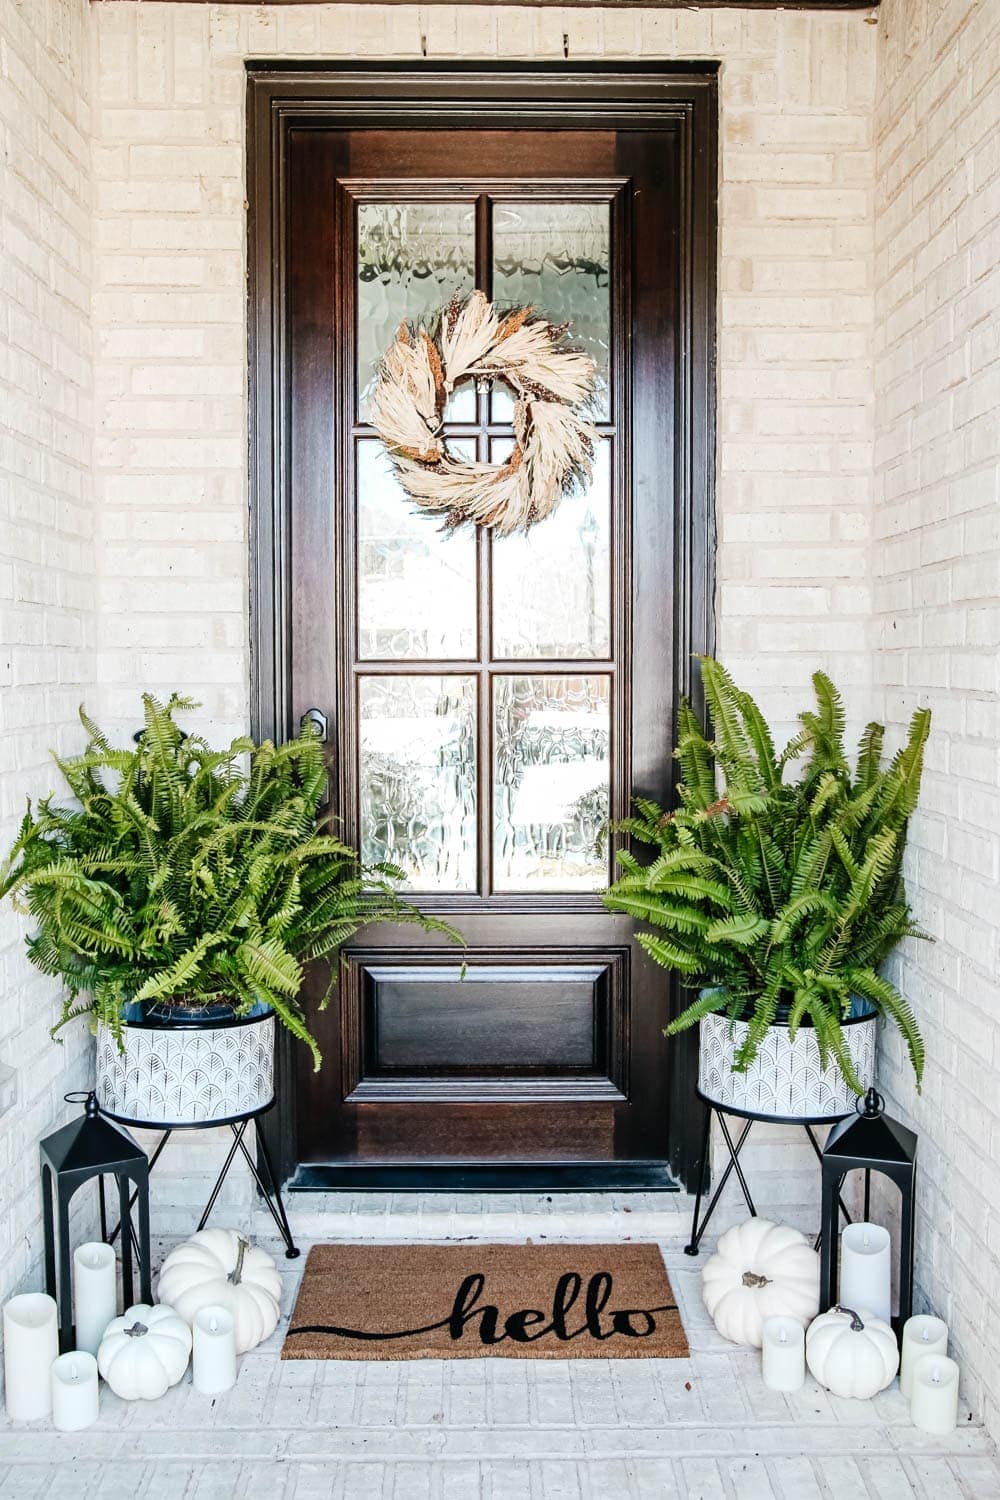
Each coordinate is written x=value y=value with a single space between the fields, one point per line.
x=553 y=444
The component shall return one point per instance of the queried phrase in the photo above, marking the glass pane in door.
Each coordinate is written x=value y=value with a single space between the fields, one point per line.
x=552 y=586
x=412 y=259
x=551 y=752
x=416 y=583
x=417 y=777
x=557 y=257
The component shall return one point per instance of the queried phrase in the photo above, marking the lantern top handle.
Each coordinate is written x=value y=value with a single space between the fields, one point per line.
x=871 y=1106
x=87 y=1098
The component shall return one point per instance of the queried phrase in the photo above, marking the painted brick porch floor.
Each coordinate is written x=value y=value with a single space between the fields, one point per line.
x=697 y=1429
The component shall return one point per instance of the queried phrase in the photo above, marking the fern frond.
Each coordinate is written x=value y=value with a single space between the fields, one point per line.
x=708 y=1003
x=175 y=979
x=741 y=931
x=886 y=997
x=669 y=955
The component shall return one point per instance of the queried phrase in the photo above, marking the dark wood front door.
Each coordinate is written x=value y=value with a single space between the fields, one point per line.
x=490 y=702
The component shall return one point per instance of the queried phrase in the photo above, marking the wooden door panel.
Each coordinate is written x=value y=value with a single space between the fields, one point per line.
x=432 y=154
x=553 y=1028
x=551 y=1048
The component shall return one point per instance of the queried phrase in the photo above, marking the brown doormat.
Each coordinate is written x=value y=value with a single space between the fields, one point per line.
x=467 y=1301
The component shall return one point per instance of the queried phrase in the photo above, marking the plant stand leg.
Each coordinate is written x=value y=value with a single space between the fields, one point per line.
x=843 y=1206
x=128 y=1236
x=238 y=1133
x=110 y=1238
x=691 y=1248
x=734 y=1154
x=143 y=1246
x=272 y=1195
x=698 y=1230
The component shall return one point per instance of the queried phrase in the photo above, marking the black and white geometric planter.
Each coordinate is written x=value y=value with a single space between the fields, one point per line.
x=786 y=1080
x=186 y=1073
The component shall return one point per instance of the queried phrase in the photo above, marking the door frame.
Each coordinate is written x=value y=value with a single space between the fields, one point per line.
x=283 y=95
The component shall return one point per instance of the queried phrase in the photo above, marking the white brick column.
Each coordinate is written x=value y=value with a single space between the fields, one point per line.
x=936 y=563
x=48 y=557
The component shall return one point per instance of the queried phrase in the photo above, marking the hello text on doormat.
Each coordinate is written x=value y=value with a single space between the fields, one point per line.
x=470 y=1301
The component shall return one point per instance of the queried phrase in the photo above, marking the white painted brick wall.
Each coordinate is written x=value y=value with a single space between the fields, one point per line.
x=936 y=579
x=48 y=564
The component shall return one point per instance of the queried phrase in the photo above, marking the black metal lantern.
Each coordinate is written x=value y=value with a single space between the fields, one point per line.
x=870 y=1142
x=84 y=1149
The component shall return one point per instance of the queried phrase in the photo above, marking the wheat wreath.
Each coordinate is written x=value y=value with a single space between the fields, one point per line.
x=553 y=443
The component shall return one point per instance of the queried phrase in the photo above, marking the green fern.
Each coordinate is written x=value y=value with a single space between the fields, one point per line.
x=181 y=872
x=777 y=899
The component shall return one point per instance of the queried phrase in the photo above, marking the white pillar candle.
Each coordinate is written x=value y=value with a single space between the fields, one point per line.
x=934 y=1402
x=30 y=1345
x=213 y=1361
x=784 y=1354
x=865 y=1270
x=921 y=1335
x=95 y=1293
x=75 y=1402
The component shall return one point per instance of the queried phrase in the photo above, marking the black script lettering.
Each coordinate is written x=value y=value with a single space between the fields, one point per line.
x=518 y=1323
x=621 y=1322
x=599 y=1289
x=525 y=1325
x=566 y=1292
x=464 y=1309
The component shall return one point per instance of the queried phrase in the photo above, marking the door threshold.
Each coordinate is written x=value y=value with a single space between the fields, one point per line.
x=486 y=1177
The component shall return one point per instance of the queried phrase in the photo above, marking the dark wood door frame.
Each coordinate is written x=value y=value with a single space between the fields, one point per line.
x=281 y=97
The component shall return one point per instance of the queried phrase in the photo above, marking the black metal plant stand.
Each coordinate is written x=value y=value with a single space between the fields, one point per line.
x=700 y=1224
x=269 y=1189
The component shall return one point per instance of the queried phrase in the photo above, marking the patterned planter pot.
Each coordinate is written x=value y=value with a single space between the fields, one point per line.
x=786 y=1080
x=186 y=1073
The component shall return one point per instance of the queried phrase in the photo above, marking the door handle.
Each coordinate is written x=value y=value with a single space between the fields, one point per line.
x=317 y=719
x=319 y=722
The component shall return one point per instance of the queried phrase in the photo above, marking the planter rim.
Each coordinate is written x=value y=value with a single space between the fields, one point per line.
x=213 y=1124
x=870 y=1013
x=766 y=1117
x=195 y=1023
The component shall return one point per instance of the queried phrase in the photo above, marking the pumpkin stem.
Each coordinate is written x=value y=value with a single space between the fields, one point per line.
x=136 y=1331
x=750 y=1278
x=856 y=1324
x=236 y=1274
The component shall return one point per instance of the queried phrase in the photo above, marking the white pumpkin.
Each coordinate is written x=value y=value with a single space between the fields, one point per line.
x=760 y=1270
x=145 y=1352
x=852 y=1353
x=219 y=1268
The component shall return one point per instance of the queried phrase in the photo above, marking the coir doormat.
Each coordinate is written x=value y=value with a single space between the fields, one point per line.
x=467 y=1301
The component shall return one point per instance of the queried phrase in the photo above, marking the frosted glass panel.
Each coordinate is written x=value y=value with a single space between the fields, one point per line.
x=551 y=739
x=557 y=256
x=552 y=587
x=416 y=583
x=418 y=778
x=412 y=258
